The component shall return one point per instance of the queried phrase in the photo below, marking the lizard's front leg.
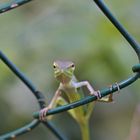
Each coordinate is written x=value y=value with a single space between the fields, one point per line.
x=89 y=87
x=43 y=111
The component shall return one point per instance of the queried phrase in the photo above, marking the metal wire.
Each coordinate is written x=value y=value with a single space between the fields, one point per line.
x=12 y=5
x=40 y=97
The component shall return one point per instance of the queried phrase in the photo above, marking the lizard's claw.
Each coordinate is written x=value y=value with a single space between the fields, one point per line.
x=99 y=94
x=96 y=93
x=42 y=113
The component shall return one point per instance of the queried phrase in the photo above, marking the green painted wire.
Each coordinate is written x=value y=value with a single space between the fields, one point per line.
x=20 y=131
x=133 y=43
x=12 y=5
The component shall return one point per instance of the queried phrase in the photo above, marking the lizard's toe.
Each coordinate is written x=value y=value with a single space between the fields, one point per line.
x=97 y=94
x=42 y=114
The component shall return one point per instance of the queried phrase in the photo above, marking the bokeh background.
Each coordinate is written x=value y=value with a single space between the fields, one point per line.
x=36 y=34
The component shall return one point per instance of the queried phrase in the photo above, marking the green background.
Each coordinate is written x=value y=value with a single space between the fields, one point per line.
x=36 y=34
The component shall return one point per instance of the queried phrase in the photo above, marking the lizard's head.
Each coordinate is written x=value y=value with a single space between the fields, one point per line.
x=63 y=70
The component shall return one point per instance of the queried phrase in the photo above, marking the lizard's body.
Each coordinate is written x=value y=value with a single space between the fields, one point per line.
x=80 y=114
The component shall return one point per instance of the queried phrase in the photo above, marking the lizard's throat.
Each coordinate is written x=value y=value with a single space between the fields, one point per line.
x=63 y=78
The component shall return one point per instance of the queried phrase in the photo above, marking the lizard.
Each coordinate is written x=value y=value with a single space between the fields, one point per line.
x=68 y=92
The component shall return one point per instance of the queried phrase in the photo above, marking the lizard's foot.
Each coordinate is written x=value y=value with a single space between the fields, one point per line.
x=42 y=113
x=97 y=94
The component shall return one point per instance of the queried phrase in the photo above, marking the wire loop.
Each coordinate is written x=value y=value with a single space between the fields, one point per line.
x=114 y=86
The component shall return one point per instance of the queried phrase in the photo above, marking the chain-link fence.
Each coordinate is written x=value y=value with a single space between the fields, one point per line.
x=38 y=94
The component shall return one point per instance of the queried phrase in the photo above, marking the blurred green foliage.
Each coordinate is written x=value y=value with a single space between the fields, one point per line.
x=36 y=34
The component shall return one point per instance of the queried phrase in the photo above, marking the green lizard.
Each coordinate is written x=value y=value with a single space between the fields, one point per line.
x=67 y=92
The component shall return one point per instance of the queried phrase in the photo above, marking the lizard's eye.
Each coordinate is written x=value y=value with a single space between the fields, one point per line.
x=72 y=66
x=54 y=66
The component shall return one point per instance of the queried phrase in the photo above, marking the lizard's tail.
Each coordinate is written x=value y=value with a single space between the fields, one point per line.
x=84 y=126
